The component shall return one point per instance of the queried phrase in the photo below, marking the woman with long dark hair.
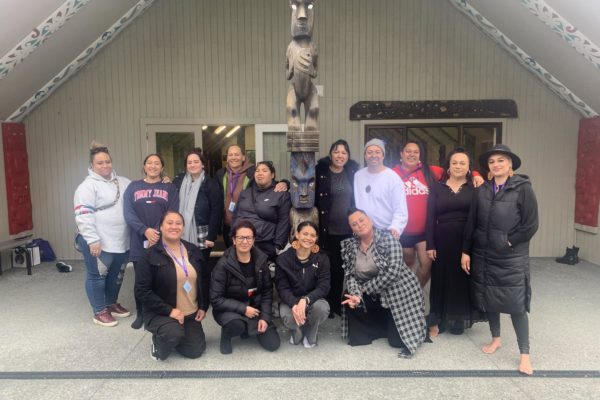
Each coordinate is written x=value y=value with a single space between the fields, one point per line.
x=448 y=208
x=173 y=292
x=334 y=197
x=267 y=210
x=144 y=203
x=200 y=203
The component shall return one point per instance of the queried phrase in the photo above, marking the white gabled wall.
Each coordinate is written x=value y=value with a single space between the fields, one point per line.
x=202 y=59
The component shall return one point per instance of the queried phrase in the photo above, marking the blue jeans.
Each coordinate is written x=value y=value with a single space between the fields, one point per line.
x=104 y=276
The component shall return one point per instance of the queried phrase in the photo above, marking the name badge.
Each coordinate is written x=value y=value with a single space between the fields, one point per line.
x=252 y=292
x=231 y=207
x=187 y=287
x=146 y=244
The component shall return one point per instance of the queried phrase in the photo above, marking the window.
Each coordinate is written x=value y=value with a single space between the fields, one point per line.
x=437 y=139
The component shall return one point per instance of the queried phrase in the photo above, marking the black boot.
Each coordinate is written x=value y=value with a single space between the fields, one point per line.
x=139 y=321
x=576 y=253
x=568 y=258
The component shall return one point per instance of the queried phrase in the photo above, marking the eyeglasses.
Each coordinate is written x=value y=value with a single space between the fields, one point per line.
x=244 y=238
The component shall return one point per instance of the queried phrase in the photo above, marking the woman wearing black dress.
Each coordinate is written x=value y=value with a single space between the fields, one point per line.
x=447 y=211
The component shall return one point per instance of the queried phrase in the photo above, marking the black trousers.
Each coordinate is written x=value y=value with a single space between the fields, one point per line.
x=374 y=323
x=269 y=340
x=520 y=324
x=168 y=334
x=226 y=237
x=331 y=244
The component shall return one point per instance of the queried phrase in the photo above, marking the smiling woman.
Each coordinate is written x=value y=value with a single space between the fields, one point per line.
x=103 y=235
x=170 y=284
x=145 y=202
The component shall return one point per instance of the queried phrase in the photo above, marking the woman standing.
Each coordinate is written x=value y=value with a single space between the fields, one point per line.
x=237 y=175
x=418 y=177
x=502 y=220
x=384 y=298
x=335 y=183
x=447 y=212
x=267 y=210
x=200 y=203
x=241 y=291
x=168 y=282
x=103 y=236
x=145 y=202
x=302 y=278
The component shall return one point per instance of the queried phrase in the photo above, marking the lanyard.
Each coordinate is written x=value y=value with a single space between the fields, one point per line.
x=180 y=263
x=497 y=188
x=233 y=178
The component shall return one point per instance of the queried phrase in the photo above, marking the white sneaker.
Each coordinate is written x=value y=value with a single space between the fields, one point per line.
x=307 y=344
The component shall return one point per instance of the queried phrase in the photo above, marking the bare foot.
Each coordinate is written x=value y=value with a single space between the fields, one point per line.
x=525 y=365
x=491 y=347
x=434 y=331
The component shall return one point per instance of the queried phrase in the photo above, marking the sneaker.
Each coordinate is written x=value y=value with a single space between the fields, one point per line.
x=119 y=311
x=154 y=353
x=63 y=267
x=104 y=318
x=296 y=337
x=307 y=344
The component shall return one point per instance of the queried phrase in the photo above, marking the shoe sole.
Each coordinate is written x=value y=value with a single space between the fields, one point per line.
x=121 y=315
x=107 y=324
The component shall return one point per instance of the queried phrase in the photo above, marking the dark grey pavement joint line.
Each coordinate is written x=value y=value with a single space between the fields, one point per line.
x=93 y=375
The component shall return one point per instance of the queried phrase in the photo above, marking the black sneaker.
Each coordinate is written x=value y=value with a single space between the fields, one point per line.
x=63 y=267
x=154 y=353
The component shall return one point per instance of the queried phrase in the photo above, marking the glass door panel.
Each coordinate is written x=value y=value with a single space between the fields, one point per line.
x=173 y=146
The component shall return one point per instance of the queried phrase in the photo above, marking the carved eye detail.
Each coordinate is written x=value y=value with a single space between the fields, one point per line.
x=294 y=7
x=311 y=6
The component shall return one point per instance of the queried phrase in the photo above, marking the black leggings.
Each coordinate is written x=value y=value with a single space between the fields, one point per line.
x=520 y=324
x=269 y=340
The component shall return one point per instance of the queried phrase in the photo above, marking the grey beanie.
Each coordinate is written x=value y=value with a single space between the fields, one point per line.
x=376 y=142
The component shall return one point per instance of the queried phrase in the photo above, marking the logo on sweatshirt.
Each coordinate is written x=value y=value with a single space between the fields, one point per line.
x=414 y=187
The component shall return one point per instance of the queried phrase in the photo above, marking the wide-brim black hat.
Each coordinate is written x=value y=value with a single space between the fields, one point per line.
x=499 y=149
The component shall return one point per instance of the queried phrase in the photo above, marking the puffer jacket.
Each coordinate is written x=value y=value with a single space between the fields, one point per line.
x=295 y=280
x=497 y=237
x=323 y=192
x=229 y=291
x=269 y=212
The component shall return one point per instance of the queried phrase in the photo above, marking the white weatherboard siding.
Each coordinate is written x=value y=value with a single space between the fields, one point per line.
x=208 y=60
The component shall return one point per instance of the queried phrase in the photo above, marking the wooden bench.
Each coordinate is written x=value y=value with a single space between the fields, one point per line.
x=18 y=243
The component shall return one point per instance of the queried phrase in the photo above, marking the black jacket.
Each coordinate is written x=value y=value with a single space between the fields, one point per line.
x=323 y=195
x=295 y=279
x=209 y=205
x=269 y=212
x=497 y=236
x=156 y=280
x=229 y=291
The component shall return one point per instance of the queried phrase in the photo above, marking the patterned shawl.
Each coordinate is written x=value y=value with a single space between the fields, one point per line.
x=395 y=284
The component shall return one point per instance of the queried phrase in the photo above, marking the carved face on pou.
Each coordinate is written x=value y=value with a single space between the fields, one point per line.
x=303 y=180
x=302 y=17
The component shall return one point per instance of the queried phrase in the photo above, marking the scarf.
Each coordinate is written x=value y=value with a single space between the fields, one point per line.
x=188 y=193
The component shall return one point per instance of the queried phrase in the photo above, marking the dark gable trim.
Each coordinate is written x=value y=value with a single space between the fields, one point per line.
x=429 y=109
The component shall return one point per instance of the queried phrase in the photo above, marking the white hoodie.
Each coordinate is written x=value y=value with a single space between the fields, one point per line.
x=107 y=226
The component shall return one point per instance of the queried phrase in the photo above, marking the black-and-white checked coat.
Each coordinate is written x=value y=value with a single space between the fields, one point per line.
x=395 y=284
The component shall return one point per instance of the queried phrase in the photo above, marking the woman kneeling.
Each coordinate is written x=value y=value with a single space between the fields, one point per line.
x=174 y=297
x=384 y=298
x=241 y=291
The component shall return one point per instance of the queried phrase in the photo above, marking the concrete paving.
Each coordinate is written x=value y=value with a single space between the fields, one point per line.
x=47 y=328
